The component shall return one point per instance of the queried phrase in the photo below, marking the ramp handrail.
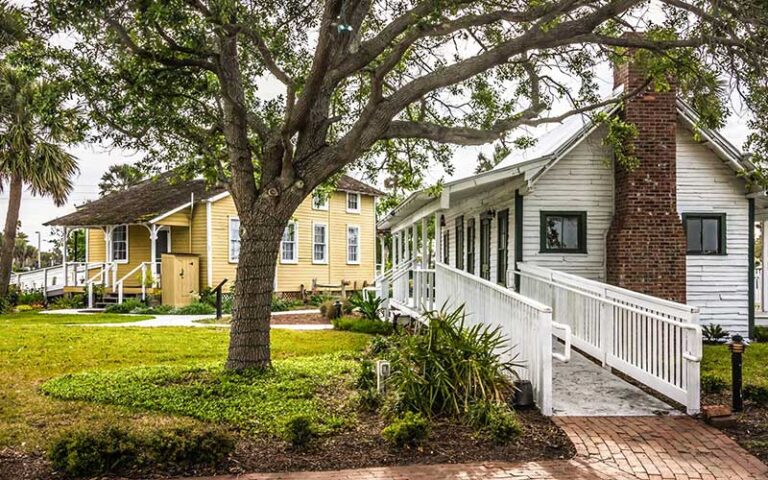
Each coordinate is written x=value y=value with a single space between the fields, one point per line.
x=526 y=323
x=655 y=341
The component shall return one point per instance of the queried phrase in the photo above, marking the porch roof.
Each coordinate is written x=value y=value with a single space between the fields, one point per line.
x=138 y=204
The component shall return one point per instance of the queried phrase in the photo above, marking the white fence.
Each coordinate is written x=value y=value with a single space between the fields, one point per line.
x=525 y=322
x=55 y=278
x=654 y=341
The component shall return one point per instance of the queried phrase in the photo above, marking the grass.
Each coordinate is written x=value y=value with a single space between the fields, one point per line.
x=717 y=362
x=362 y=325
x=35 y=348
x=256 y=402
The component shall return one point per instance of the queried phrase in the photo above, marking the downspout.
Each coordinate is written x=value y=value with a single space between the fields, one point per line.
x=191 y=213
x=751 y=269
x=208 y=242
x=518 y=237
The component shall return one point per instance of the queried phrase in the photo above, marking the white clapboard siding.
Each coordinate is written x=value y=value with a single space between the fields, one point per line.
x=581 y=181
x=716 y=284
x=497 y=199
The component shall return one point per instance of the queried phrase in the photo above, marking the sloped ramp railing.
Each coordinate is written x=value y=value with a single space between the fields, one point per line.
x=525 y=322
x=652 y=340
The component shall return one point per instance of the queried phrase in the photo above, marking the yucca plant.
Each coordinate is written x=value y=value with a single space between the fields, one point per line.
x=447 y=367
x=368 y=304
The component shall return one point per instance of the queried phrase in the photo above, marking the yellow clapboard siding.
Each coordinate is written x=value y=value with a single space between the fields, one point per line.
x=290 y=277
x=178 y=219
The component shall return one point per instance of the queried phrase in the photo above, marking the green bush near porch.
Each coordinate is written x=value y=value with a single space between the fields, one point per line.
x=362 y=325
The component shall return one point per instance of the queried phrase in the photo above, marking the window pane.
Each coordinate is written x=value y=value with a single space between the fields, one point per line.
x=319 y=243
x=352 y=202
x=234 y=238
x=571 y=232
x=554 y=232
x=693 y=228
x=710 y=235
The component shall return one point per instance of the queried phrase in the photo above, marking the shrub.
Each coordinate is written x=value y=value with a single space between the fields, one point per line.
x=127 y=306
x=756 y=393
x=5 y=305
x=714 y=334
x=65 y=302
x=367 y=377
x=30 y=297
x=298 y=431
x=368 y=304
x=328 y=309
x=379 y=345
x=320 y=298
x=441 y=369
x=114 y=449
x=280 y=304
x=495 y=421
x=410 y=430
x=369 y=399
x=156 y=310
x=86 y=452
x=761 y=333
x=362 y=325
x=712 y=383
x=195 y=308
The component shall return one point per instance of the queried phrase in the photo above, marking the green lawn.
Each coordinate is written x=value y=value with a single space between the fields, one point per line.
x=717 y=362
x=35 y=348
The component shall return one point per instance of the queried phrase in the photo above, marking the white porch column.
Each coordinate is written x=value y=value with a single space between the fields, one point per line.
x=764 y=258
x=153 y=229
x=407 y=245
x=64 y=258
x=395 y=251
x=383 y=257
x=414 y=240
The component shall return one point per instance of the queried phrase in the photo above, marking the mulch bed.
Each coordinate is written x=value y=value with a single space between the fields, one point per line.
x=355 y=448
x=751 y=429
x=364 y=447
x=299 y=319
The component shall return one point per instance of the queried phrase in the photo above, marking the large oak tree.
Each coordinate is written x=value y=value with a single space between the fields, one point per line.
x=385 y=84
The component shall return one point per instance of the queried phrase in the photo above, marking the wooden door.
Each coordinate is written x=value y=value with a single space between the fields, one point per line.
x=187 y=277
x=485 y=248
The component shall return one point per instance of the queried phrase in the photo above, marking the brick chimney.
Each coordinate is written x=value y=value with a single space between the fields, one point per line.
x=646 y=242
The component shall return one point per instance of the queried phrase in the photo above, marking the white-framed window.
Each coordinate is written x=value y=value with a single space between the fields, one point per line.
x=319 y=243
x=319 y=201
x=234 y=239
x=289 y=246
x=353 y=244
x=119 y=247
x=353 y=202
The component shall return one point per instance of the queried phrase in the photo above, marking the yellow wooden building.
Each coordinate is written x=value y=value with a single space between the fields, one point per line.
x=330 y=239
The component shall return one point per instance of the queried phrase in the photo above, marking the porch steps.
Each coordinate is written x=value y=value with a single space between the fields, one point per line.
x=111 y=298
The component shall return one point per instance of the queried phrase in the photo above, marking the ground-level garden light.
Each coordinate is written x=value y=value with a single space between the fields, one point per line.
x=737 y=347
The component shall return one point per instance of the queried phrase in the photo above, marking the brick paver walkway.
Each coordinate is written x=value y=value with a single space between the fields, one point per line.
x=615 y=448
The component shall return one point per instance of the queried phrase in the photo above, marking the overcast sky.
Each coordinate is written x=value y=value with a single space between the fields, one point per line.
x=94 y=160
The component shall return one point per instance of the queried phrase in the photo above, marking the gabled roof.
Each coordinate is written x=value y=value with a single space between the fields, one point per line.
x=139 y=203
x=159 y=196
x=532 y=163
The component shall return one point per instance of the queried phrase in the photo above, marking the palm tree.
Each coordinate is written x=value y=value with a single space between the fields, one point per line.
x=35 y=124
x=120 y=177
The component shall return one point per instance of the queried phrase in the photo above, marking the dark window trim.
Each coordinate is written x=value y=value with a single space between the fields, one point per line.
x=459 y=226
x=502 y=255
x=723 y=230
x=446 y=246
x=582 y=225
x=470 y=261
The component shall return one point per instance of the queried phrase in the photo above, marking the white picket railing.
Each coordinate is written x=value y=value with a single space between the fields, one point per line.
x=654 y=341
x=71 y=274
x=423 y=291
x=525 y=322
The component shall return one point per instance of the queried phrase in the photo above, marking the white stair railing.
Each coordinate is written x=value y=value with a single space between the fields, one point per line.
x=655 y=341
x=102 y=277
x=146 y=271
x=526 y=323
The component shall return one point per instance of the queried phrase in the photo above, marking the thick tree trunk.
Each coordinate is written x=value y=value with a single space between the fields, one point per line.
x=9 y=234
x=261 y=230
